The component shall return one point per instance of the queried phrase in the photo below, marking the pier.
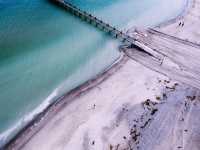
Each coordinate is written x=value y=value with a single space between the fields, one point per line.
x=106 y=27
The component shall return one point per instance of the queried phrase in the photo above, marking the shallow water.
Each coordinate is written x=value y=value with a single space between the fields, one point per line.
x=45 y=51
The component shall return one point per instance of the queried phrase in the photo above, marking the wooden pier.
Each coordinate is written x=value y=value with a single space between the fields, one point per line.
x=128 y=40
x=96 y=22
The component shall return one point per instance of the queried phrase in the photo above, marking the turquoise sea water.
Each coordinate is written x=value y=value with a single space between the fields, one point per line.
x=45 y=52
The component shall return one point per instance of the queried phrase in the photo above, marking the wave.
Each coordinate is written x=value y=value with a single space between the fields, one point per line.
x=11 y=132
x=176 y=10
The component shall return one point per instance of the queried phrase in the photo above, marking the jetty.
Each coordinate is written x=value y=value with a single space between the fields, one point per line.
x=128 y=41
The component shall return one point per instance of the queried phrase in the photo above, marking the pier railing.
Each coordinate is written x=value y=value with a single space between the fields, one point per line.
x=96 y=22
x=106 y=27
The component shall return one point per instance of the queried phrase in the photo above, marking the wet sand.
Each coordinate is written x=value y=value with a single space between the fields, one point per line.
x=128 y=107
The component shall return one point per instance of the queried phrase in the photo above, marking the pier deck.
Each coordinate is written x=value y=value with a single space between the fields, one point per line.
x=106 y=27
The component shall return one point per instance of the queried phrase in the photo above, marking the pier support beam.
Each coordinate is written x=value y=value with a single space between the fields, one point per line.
x=96 y=22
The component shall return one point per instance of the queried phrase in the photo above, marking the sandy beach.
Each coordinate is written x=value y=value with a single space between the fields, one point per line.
x=140 y=103
x=190 y=23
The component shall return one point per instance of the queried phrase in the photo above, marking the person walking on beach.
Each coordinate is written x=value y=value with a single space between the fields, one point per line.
x=181 y=24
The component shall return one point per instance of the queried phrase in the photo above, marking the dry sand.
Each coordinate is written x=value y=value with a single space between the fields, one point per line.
x=134 y=108
x=190 y=30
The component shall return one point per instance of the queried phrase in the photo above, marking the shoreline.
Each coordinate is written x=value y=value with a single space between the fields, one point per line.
x=29 y=130
x=35 y=125
x=183 y=13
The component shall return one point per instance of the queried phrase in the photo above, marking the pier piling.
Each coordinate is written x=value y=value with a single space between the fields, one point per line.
x=100 y=24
